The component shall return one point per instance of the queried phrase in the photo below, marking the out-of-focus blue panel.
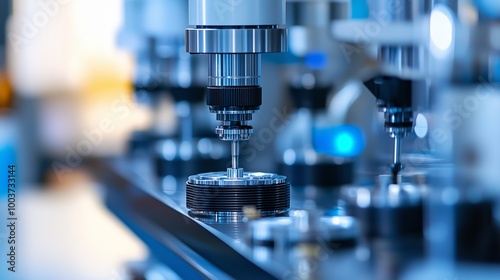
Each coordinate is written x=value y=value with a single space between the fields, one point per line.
x=346 y=141
x=359 y=9
x=488 y=8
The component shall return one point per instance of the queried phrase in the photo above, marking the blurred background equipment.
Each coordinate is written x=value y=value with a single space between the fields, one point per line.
x=254 y=139
x=61 y=83
x=5 y=92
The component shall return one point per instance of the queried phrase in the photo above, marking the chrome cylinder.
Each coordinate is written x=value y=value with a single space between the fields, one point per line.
x=235 y=154
x=398 y=10
x=230 y=70
x=401 y=61
x=255 y=39
x=237 y=12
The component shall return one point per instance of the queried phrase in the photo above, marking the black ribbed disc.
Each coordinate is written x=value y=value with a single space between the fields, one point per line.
x=266 y=198
x=240 y=97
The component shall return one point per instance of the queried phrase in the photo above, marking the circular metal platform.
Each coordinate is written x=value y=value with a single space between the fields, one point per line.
x=215 y=193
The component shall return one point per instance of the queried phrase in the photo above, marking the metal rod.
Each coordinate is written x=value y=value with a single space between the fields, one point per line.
x=396 y=166
x=397 y=150
x=235 y=154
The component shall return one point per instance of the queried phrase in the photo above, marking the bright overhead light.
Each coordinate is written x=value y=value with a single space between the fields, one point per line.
x=441 y=30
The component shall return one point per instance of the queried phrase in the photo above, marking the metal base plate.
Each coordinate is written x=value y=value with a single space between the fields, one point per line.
x=215 y=193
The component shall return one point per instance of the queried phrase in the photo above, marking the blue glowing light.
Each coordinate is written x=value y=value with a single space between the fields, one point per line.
x=316 y=60
x=345 y=141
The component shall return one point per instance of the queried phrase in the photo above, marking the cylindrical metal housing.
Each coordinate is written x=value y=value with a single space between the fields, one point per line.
x=234 y=33
x=403 y=61
x=237 y=12
x=231 y=70
x=398 y=10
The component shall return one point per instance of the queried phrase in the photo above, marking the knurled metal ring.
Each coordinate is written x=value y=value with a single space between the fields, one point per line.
x=399 y=131
x=234 y=134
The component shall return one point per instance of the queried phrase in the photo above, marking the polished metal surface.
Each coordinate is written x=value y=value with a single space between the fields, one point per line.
x=249 y=179
x=231 y=70
x=235 y=155
x=209 y=40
